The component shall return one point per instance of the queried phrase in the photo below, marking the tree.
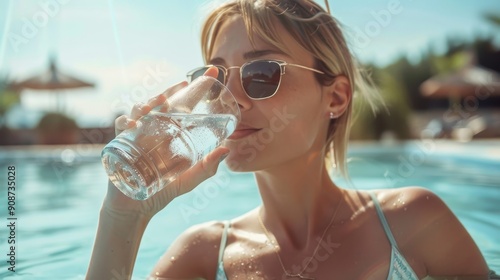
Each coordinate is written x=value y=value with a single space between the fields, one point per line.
x=8 y=99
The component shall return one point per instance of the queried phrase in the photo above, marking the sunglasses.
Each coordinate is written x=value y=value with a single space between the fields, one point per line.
x=260 y=79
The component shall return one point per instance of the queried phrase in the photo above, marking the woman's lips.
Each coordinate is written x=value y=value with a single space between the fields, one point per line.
x=240 y=133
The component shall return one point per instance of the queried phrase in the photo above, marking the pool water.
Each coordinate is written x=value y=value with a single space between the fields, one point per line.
x=59 y=192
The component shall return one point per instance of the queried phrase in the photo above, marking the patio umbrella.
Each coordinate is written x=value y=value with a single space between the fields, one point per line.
x=51 y=80
x=468 y=81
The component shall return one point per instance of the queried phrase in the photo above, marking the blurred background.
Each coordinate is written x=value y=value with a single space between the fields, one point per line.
x=68 y=68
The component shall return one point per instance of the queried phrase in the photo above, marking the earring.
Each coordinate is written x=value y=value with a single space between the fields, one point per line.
x=332 y=115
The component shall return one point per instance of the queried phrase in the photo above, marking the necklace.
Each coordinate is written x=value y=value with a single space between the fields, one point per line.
x=299 y=275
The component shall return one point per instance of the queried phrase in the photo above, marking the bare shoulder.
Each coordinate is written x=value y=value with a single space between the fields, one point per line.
x=417 y=202
x=193 y=254
x=427 y=230
x=410 y=210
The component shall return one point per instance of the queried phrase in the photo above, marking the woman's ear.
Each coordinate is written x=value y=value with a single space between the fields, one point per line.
x=339 y=95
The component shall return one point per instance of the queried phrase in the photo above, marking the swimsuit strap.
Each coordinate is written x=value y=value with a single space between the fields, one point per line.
x=383 y=220
x=223 y=240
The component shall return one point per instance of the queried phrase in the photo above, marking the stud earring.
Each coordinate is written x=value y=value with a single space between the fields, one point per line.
x=332 y=115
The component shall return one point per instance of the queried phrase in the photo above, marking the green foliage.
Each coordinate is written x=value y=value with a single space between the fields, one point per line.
x=56 y=122
x=493 y=19
x=8 y=98
x=399 y=84
x=451 y=63
x=394 y=117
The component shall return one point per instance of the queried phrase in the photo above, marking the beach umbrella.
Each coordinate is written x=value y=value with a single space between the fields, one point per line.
x=51 y=80
x=473 y=82
x=468 y=81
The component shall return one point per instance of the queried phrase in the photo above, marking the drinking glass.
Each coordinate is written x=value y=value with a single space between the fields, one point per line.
x=142 y=160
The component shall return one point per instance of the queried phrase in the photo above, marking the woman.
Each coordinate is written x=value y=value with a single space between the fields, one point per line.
x=291 y=72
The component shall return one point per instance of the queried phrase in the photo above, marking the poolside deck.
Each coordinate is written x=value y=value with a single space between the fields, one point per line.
x=483 y=124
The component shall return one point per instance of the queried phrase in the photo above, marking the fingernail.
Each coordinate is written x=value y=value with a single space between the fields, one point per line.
x=129 y=122
x=144 y=106
x=223 y=157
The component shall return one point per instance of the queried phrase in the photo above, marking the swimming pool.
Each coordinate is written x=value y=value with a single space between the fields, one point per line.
x=59 y=192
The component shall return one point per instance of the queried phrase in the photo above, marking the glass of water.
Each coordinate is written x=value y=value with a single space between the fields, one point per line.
x=144 y=159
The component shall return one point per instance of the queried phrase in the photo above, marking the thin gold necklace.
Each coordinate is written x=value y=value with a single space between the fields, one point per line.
x=299 y=275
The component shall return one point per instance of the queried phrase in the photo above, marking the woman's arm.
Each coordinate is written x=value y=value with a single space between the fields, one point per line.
x=122 y=220
x=116 y=244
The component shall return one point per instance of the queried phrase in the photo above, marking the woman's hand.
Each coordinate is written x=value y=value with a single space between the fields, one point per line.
x=122 y=220
x=119 y=205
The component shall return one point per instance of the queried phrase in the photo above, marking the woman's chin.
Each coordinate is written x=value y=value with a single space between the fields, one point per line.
x=241 y=163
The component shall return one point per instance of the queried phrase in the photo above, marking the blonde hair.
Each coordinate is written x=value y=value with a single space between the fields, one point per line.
x=317 y=32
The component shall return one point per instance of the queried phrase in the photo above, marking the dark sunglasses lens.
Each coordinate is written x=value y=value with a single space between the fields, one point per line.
x=261 y=79
x=198 y=73
x=221 y=75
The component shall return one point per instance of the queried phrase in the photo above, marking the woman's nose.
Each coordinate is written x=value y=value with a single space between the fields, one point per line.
x=233 y=83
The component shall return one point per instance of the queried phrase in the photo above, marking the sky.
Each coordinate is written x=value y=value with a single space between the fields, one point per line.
x=133 y=50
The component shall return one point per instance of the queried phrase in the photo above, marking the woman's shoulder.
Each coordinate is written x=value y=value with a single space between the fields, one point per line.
x=210 y=233
x=412 y=203
x=401 y=199
x=202 y=239
x=199 y=242
x=210 y=230
x=411 y=209
x=426 y=229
